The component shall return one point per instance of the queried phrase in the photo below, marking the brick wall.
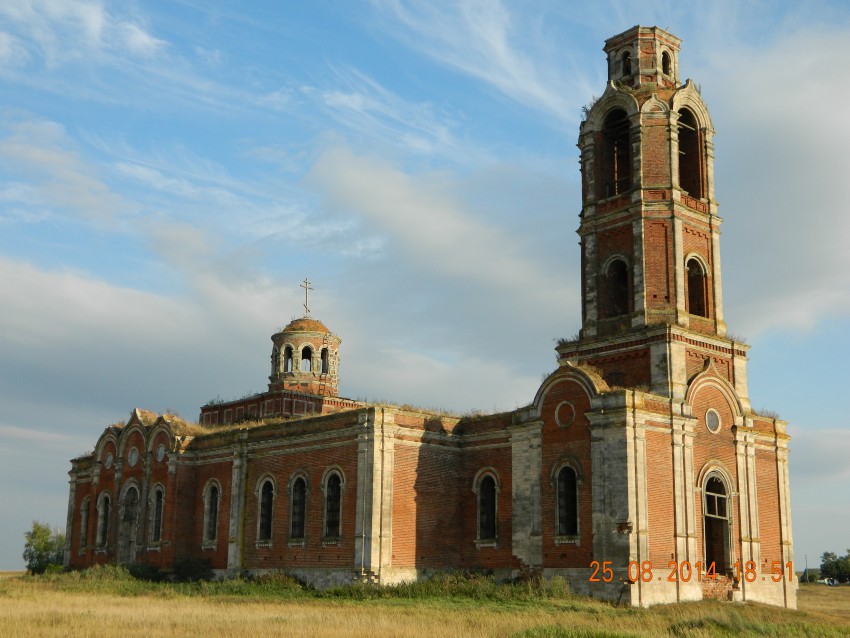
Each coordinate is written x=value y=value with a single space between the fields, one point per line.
x=660 y=498
x=658 y=273
x=655 y=152
x=569 y=442
x=710 y=447
x=313 y=459
x=427 y=490
x=768 y=504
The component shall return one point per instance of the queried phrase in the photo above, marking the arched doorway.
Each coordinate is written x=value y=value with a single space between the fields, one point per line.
x=716 y=524
x=128 y=526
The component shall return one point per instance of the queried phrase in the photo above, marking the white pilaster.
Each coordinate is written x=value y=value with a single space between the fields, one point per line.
x=236 y=527
x=526 y=460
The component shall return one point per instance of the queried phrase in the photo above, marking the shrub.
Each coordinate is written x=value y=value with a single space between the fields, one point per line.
x=191 y=569
x=146 y=571
x=44 y=547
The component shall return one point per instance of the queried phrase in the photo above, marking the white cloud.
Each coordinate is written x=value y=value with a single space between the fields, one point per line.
x=211 y=57
x=12 y=52
x=820 y=454
x=373 y=115
x=138 y=41
x=433 y=228
x=440 y=378
x=485 y=40
x=781 y=168
x=61 y=31
x=46 y=308
x=41 y=151
x=34 y=436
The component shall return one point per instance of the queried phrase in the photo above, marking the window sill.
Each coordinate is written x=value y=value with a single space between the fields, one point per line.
x=209 y=546
x=100 y=550
x=487 y=542
x=260 y=544
x=330 y=542
x=297 y=542
x=153 y=547
x=568 y=540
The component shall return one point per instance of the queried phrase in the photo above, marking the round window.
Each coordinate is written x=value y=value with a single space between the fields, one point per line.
x=133 y=457
x=565 y=414
x=108 y=460
x=160 y=452
x=712 y=421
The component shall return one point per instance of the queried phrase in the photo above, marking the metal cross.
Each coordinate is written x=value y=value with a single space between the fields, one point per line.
x=306 y=286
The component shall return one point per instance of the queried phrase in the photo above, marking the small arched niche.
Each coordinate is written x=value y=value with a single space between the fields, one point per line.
x=617 y=284
x=697 y=288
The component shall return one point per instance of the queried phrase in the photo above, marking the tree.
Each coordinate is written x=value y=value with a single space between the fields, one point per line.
x=836 y=567
x=44 y=546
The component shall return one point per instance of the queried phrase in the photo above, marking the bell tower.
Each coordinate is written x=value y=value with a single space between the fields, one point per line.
x=649 y=228
x=305 y=355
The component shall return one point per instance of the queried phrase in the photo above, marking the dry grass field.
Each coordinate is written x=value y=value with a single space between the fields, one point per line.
x=66 y=606
x=10 y=574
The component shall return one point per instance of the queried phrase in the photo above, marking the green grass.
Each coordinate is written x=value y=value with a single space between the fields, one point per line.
x=457 y=587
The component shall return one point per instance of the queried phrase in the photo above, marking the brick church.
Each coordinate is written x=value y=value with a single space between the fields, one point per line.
x=638 y=472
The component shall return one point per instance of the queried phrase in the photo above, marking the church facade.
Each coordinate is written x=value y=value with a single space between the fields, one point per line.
x=639 y=472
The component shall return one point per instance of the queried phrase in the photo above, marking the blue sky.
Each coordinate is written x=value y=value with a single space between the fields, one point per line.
x=170 y=171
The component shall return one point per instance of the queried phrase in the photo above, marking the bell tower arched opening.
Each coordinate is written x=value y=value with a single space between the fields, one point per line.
x=306 y=359
x=690 y=155
x=626 y=63
x=616 y=156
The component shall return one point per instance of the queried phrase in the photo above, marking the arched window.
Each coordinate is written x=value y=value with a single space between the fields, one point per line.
x=287 y=359
x=127 y=525
x=690 y=155
x=84 y=523
x=487 y=509
x=307 y=359
x=264 y=524
x=275 y=361
x=211 y=500
x=617 y=281
x=333 y=506
x=626 y=63
x=104 y=505
x=567 y=502
x=616 y=155
x=157 y=502
x=326 y=364
x=298 y=511
x=665 y=63
x=716 y=524
x=696 y=288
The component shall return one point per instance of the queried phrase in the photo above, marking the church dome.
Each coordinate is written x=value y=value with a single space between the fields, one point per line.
x=306 y=324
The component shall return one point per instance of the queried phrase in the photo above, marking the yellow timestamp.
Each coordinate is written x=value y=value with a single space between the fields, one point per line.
x=685 y=571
